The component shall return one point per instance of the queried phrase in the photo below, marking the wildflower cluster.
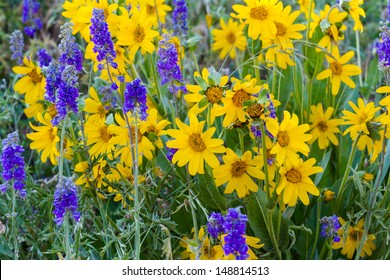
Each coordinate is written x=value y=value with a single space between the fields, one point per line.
x=330 y=227
x=30 y=17
x=65 y=200
x=17 y=45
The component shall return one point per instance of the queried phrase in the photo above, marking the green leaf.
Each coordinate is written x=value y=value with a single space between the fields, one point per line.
x=201 y=82
x=257 y=218
x=209 y=193
x=323 y=163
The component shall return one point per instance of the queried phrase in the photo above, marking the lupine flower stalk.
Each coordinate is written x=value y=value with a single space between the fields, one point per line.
x=330 y=226
x=29 y=17
x=101 y=37
x=44 y=58
x=62 y=77
x=383 y=48
x=135 y=98
x=179 y=17
x=12 y=161
x=17 y=45
x=65 y=200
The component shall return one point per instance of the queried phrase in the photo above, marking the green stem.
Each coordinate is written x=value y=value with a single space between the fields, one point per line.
x=272 y=234
x=372 y=198
x=154 y=73
x=137 y=241
x=346 y=173
x=317 y=230
x=359 y=60
x=14 y=233
x=263 y=144
x=68 y=248
x=194 y=220
x=241 y=140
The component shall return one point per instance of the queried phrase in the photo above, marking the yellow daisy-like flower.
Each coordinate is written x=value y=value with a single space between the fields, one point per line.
x=155 y=8
x=281 y=43
x=45 y=138
x=92 y=176
x=93 y=105
x=291 y=139
x=80 y=13
x=356 y=11
x=261 y=16
x=323 y=127
x=32 y=84
x=122 y=140
x=351 y=240
x=339 y=71
x=304 y=6
x=136 y=33
x=33 y=109
x=228 y=39
x=208 y=91
x=362 y=116
x=153 y=128
x=295 y=181
x=237 y=172
x=233 y=102
x=99 y=137
x=330 y=22
x=194 y=146
x=374 y=146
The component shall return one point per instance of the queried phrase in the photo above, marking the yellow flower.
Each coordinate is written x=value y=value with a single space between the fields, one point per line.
x=339 y=71
x=351 y=240
x=92 y=176
x=194 y=146
x=261 y=16
x=99 y=137
x=45 y=139
x=328 y=195
x=385 y=102
x=237 y=172
x=202 y=251
x=71 y=11
x=291 y=139
x=322 y=127
x=32 y=84
x=153 y=128
x=355 y=11
x=361 y=118
x=331 y=25
x=271 y=162
x=136 y=33
x=280 y=46
x=233 y=102
x=209 y=91
x=228 y=39
x=295 y=181
x=368 y=176
x=304 y=6
x=155 y=8
x=93 y=105
x=33 y=109
x=122 y=139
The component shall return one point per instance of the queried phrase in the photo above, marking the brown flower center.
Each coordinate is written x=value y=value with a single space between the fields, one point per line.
x=214 y=94
x=139 y=134
x=355 y=234
x=151 y=10
x=35 y=77
x=269 y=155
x=196 y=142
x=152 y=128
x=238 y=168
x=255 y=110
x=283 y=138
x=259 y=13
x=322 y=126
x=208 y=251
x=231 y=38
x=52 y=110
x=336 y=68
x=139 y=34
x=281 y=29
x=239 y=97
x=104 y=134
x=293 y=176
x=101 y=110
x=52 y=136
